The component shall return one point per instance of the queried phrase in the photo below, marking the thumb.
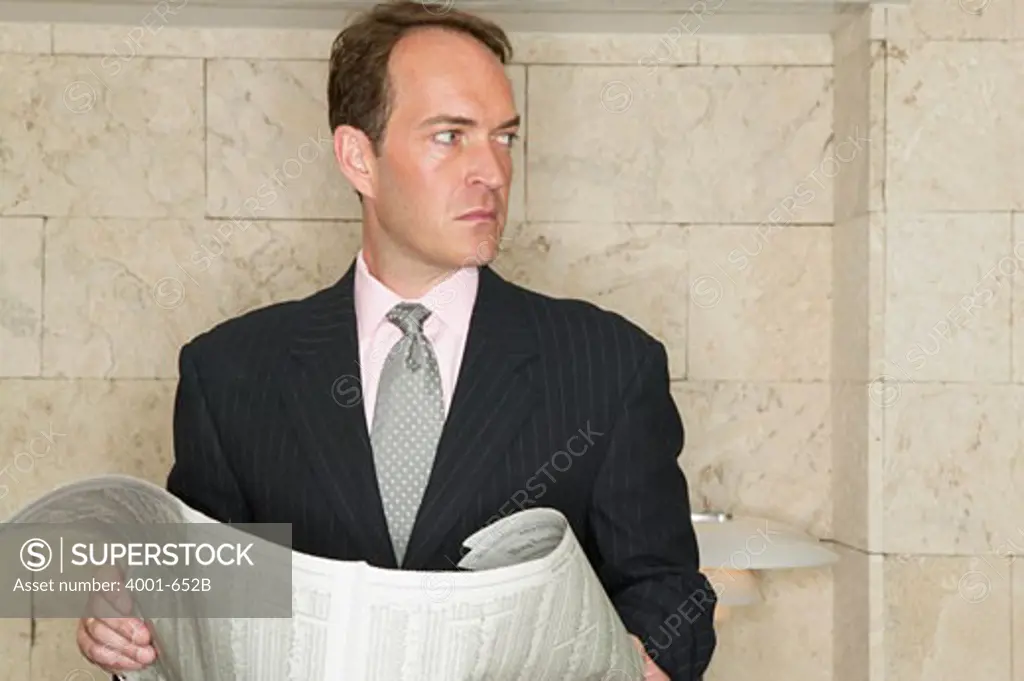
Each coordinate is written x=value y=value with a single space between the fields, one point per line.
x=648 y=664
x=641 y=649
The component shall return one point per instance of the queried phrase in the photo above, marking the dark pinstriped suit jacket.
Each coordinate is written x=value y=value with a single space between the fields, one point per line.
x=558 y=404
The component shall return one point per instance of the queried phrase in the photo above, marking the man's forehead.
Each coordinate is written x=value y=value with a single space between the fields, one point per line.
x=454 y=94
x=432 y=47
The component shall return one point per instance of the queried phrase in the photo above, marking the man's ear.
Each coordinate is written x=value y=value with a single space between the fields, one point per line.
x=356 y=159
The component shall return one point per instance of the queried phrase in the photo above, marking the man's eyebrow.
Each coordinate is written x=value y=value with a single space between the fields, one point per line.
x=445 y=119
x=510 y=123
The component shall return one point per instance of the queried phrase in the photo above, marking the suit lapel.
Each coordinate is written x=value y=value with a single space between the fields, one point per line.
x=493 y=396
x=322 y=392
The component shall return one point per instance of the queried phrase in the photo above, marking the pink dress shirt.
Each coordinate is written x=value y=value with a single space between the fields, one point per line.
x=451 y=306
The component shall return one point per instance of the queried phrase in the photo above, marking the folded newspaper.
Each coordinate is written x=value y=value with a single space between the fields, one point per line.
x=523 y=605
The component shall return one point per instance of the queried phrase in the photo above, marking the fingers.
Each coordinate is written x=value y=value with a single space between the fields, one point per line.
x=109 y=636
x=651 y=670
x=122 y=644
x=640 y=648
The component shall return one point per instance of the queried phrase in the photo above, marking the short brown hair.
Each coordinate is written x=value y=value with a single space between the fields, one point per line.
x=358 y=92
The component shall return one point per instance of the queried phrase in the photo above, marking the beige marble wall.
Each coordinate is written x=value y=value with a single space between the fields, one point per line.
x=695 y=199
x=928 y=449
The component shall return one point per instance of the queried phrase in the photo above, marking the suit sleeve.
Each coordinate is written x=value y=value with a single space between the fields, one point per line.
x=201 y=475
x=643 y=532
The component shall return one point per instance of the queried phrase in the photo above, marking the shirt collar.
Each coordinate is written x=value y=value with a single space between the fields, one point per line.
x=450 y=301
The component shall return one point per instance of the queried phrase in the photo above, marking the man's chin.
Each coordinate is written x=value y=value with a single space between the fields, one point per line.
x=486 y=252
x=479 y=250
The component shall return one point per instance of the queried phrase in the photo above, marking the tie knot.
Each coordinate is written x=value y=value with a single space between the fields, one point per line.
x=409 y=317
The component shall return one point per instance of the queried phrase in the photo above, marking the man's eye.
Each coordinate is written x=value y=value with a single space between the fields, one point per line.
x=508 y=138
x=446 y=137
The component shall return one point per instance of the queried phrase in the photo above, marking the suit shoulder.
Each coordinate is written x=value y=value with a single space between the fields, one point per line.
x=260 y=332
x=582 y=314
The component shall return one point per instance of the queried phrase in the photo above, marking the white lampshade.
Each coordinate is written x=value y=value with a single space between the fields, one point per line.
x=734 y=587
x=730 y=543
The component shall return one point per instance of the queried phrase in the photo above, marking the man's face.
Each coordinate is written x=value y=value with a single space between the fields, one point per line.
x=442 y=182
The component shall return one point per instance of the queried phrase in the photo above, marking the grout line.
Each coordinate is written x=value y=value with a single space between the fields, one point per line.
x=1013 y=610
x=885 y=122
x=94 y=379
x=876 y=515
x=688 y=296
x=1014 y=276
x=914 y=554
x=206 y=135
x=526 y=143
x=42 y=296
x=197 y=57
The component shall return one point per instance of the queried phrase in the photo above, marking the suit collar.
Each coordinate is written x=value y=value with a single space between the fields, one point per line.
x=501 y=317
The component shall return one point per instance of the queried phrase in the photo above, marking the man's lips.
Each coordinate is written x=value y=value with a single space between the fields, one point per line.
x=479 y=214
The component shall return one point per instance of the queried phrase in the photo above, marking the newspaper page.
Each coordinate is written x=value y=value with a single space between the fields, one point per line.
x=524 y=605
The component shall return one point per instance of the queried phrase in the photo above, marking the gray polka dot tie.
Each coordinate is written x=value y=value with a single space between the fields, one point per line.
x=407 y=422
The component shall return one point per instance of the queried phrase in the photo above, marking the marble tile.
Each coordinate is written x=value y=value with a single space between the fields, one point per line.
x=55 y=655
x=759 y=449
x=15 y=647
x=271 y=150
x=116 y=306
x=858 y=396
x=852 y=111
x=947 y=315
x=857 y=429
x=850 y=485
x=953 y=138
x=159 y=36
x=58 y=431
x=877 y=296
x=788 y=636
x=857 y=615
x=766 y=50
x=850 y=36
x=858 y=297
x=680 y=145
x=922 y=20
x=21 y=294
x=1017 y=315
x=859 y=118
x=648 y=51
x=638 y=271
x=851 y=282
x=879 y=22
x=860 y=128
x=953 y=473
x=25 y=38
x=101 y=136
x=760 y=303
x=947 y=619
x=877 y=127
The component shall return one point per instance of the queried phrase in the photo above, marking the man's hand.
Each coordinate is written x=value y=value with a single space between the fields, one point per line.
x=109 y=637
x=652 y=672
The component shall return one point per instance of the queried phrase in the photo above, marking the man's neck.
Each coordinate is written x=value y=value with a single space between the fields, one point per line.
x=405 y=276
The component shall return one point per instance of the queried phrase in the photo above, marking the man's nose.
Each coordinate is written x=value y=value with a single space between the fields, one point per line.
x=489 y=166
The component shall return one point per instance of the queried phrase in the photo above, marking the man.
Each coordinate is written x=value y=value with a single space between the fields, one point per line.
x=421 y=396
